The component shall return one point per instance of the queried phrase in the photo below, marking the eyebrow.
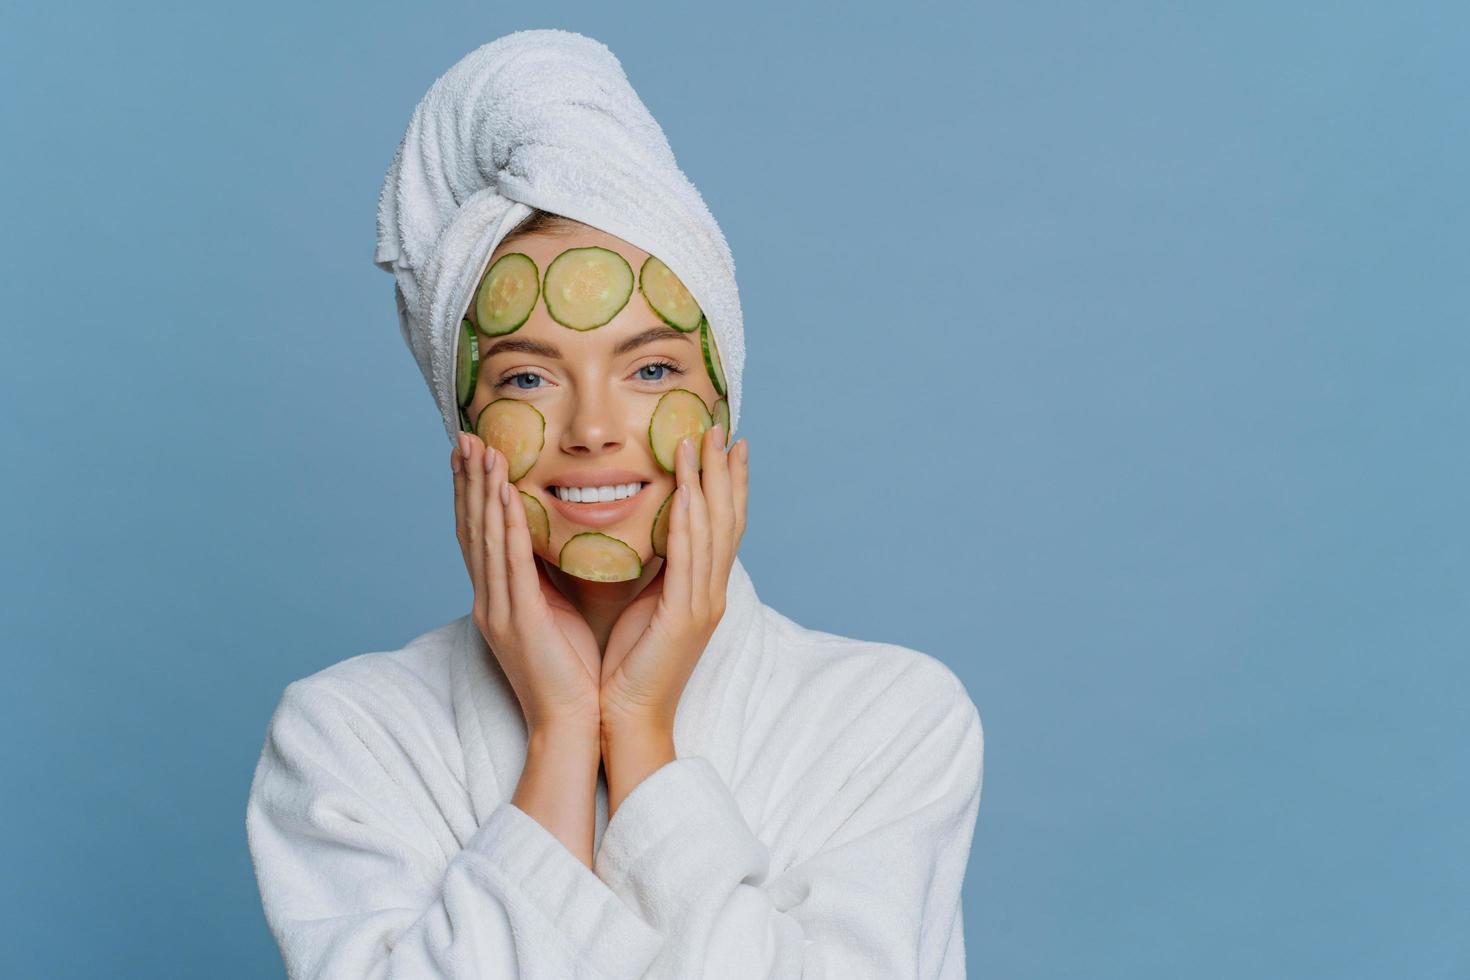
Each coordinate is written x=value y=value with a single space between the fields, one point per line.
x=526 y=346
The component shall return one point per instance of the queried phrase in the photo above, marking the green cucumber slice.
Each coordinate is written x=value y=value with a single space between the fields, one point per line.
x=507 y=294
x=516 y=429
x=712 y=363
x=537 y=521
x=599 y=557
x=587 y=286
x=464 y=421
x=667 y=296
x=466 y=362
x=661 y=521
x=721 y=416
x=679 y=413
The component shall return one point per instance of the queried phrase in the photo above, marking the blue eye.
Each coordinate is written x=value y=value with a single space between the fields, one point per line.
x=521 y=374
x=666 y=365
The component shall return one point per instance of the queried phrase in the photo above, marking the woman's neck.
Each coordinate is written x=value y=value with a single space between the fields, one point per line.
x=601 y=603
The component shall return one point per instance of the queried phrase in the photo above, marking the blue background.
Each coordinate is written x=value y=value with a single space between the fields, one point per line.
x=1116 y=355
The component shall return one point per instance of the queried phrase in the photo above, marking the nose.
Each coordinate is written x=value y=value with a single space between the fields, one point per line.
x=593 y=429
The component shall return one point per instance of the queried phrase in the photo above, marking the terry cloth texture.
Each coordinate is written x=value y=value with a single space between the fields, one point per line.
x=537 y=119
x=816 y=822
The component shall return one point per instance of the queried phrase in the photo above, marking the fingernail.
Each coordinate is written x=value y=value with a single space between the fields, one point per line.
x=454 y=461
x=721 y=437
x=505 y=494
x=489 y=458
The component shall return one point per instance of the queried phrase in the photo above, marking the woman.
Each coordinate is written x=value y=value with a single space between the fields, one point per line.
x=621 y=763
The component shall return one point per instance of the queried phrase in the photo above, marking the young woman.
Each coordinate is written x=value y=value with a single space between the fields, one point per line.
x=621 y=763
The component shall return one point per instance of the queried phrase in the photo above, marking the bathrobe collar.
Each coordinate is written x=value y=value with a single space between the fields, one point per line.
x=492 y=727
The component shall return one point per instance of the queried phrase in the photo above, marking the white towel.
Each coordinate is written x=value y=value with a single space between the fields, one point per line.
x=538 y=119
x=816 y=822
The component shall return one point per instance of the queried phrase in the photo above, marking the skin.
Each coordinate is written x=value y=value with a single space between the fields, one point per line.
x=598 y=667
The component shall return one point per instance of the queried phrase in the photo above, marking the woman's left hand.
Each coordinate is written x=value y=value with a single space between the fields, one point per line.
x=657 y=641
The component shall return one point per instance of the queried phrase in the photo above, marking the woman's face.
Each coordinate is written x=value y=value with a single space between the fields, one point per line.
x=596 y=390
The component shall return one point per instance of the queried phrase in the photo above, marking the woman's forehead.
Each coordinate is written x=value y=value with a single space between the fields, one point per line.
x=634 y=321
x=551 y=242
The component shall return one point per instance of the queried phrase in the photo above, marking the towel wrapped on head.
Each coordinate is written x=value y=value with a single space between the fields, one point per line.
x=538 y=119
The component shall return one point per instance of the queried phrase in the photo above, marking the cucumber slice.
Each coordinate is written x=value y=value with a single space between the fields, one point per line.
x=587 y=286
x=507 y=294
x=466 y=362
x=721 y=416
x=599 y=557
x=679 y=413
x=712 y=363
x=537 y=521
x=661 y=522
x=515 y=428
x=464 y=421
x=667 y=296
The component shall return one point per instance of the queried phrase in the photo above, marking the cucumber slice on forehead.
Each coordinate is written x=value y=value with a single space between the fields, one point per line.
x=516 y=429
x=587 y=286
x=537 y=521
x=721 y=416
x=712 y=363
x=466 y=363
x=599 y=557
x=667 y=295
x=660 y=534
x=679 y=413
x=507 y=294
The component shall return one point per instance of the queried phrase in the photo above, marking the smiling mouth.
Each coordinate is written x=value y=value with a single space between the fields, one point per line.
x=564 y=495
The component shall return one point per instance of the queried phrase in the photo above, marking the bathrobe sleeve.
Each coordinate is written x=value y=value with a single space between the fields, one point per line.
x=361 y=875
x=877 y=894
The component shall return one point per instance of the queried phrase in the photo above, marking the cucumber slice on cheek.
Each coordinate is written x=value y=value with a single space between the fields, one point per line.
x=679 y=413
x=659 y=537
x=517 y=430
x=722 y=415
x=538 y=521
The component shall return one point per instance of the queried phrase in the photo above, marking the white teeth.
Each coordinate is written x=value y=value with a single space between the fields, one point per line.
x=579 y=495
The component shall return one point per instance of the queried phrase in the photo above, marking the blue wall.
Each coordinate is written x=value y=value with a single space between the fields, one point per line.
x=1114 y=354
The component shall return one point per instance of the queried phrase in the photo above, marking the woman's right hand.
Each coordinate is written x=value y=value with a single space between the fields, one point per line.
x=543 y=644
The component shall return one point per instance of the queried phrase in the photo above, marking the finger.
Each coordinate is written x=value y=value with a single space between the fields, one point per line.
x=740 y=481
x=676 y=565
x=474 y=507
x=456 y=465
x=497 y=576
x=525 y=585
x=699 y=540
x=721 y=508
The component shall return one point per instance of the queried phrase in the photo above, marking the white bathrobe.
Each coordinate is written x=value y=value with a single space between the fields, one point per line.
x=817 y=821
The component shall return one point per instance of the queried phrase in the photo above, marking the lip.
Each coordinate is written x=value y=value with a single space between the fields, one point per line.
x=605 y=512
x=596 y=478
x=601 y=513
